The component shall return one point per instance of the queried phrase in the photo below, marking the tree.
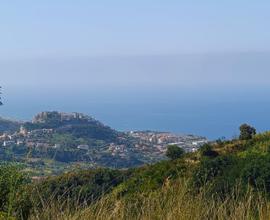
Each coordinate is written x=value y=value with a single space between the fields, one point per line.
x=246 y=132
x=174 y=152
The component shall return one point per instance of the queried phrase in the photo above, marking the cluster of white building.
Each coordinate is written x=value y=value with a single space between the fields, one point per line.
x=160 y=140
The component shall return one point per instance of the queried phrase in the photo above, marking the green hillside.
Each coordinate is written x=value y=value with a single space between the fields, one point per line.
x=78 y=126
x=56 y=142
x=223 y=180
x=8 y=126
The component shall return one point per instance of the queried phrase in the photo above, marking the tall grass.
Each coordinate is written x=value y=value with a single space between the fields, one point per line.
x=173 y=201
x=12 y=198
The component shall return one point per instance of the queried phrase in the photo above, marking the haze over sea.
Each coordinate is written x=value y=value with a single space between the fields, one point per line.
x=210 y=112
x=203 y=94
x=208 y=95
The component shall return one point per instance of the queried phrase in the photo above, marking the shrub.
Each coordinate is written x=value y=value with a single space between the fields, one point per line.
x=13 y=198
x=174 y=152
x=246 y=132
x=209 y=169
x=257 y=173
x=77 y=188
x=152 y=177
x=207 y=151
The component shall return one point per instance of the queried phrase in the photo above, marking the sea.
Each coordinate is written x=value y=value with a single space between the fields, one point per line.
x=213 y=112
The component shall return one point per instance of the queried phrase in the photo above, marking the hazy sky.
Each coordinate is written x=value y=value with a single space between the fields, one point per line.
x=142 y=42
x=198 y=66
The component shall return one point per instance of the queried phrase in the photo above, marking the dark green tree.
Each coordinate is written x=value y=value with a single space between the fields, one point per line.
x=246 y=132
x=174 y=152
x=207 y=151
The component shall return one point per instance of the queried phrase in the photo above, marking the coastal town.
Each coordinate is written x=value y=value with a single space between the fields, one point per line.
x=160 y=140
x=144 y=141
x=76 y=138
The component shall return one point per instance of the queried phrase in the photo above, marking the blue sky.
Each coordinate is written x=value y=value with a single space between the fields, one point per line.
x=138 y=42
x=33 y=28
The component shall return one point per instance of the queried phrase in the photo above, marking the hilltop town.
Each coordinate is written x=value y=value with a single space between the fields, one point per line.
x=68 y=140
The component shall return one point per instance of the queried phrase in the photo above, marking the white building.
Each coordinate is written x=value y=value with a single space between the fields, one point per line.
x=8 y=143
x=83 y=147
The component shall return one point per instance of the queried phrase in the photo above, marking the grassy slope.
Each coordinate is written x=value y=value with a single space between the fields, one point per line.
x=234 y=158
x=233 y=185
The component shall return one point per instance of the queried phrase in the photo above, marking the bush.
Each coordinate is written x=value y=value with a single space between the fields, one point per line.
x=207 y=151
x=257 y=173
x=13 y=198
x=174 y=152
x=152 y=177
x=77 y=188
x=210 y=169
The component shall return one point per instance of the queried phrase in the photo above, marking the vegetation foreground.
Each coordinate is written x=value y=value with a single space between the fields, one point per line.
x=223 y=180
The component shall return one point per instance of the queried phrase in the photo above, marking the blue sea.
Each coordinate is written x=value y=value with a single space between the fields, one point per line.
x=211 y=112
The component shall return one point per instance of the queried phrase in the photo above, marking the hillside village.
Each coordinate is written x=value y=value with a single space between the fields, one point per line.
x=79 y=138
x=144 y=141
